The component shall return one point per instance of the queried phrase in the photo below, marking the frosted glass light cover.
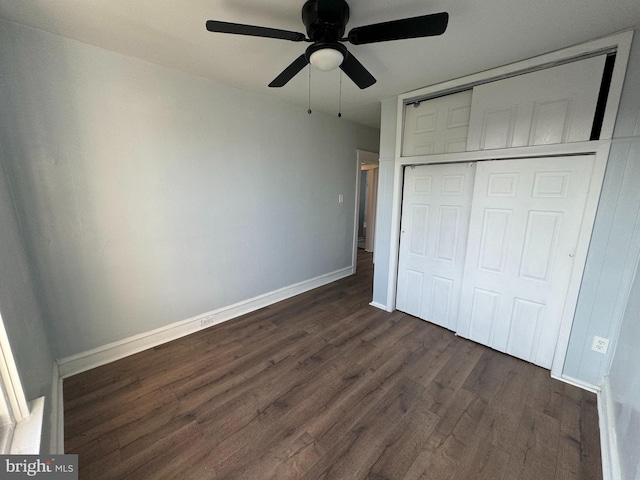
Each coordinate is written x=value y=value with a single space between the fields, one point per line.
x=326 y=59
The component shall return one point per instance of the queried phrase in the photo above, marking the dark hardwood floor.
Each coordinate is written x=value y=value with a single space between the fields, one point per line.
x=324 y=386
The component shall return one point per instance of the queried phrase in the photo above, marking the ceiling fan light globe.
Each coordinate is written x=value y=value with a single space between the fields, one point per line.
x=326 y=59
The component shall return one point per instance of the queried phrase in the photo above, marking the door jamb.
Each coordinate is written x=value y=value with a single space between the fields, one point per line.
x=362 y=157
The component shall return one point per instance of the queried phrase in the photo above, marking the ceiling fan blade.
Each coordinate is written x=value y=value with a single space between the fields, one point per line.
x=330 y=11
x=240 y=29
x=415 y=27
x=290 y=72
x=356 y=72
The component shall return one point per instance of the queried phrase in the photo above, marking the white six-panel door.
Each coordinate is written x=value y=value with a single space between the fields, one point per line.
x=434 y=230
x=524 y=229
x=554 y=105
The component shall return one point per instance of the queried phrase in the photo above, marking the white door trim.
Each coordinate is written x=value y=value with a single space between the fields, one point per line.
x=18 y=407
x=372 y=206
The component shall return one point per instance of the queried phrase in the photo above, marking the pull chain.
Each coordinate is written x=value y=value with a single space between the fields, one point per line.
x=309 y=109
x=340 y=97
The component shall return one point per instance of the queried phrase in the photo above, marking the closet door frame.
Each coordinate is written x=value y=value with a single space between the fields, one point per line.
x=600 y=150
x=619 y=43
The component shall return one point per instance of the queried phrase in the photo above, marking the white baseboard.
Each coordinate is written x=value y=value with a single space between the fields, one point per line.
x=608 y=438
x=379 y=305
x=56 y=441
x=96 y=357
x=576 y=383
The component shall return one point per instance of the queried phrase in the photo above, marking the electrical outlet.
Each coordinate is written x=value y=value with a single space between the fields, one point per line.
x=600 y=344
x=207 y=321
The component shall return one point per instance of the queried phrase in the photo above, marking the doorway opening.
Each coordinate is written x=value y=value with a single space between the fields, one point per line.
x=367 y=189
x=364 y=228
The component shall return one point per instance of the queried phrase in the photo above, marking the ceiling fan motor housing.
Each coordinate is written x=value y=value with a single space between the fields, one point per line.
x=331 y=28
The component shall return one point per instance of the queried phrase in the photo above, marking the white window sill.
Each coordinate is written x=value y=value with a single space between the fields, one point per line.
x=28 y=433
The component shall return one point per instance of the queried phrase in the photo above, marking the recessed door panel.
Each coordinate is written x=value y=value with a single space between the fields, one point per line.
x=496 y=227
x=550 y=123
x=413 y=293
x=448 y=232
x=539 y=245
x=435 y=220
x=441 y=297
x=483 y=312
x=525 y=325
x=438 y=125
x=498 y=125
x=420 y=223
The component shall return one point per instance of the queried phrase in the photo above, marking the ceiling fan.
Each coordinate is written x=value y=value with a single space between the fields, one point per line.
x=325 y=21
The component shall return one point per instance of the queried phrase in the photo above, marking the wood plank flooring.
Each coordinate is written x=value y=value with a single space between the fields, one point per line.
x=324 y=386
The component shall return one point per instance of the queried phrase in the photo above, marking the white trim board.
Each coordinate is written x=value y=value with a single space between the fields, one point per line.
x=553 y=150
x=28 y=432
x=365 y=156
x=10 y=378
x=56 y=438
x=111 y=352
x=576 y=383
x=356 y=212
x=608 y=438
x=380 y=306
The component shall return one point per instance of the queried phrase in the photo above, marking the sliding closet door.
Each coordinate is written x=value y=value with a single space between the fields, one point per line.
x=435 y=220
x=438 y=125
x=554 y=105
x=524 y=228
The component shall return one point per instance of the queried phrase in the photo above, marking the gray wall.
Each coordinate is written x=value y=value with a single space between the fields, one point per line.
x=20 y=311
x=148 y=196
x=615 y=243
x=624 y=370
x=381 y=250
x=624 y=382
x=613 y=251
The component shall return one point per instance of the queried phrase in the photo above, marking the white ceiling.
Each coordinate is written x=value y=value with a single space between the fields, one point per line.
x=481 y=35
